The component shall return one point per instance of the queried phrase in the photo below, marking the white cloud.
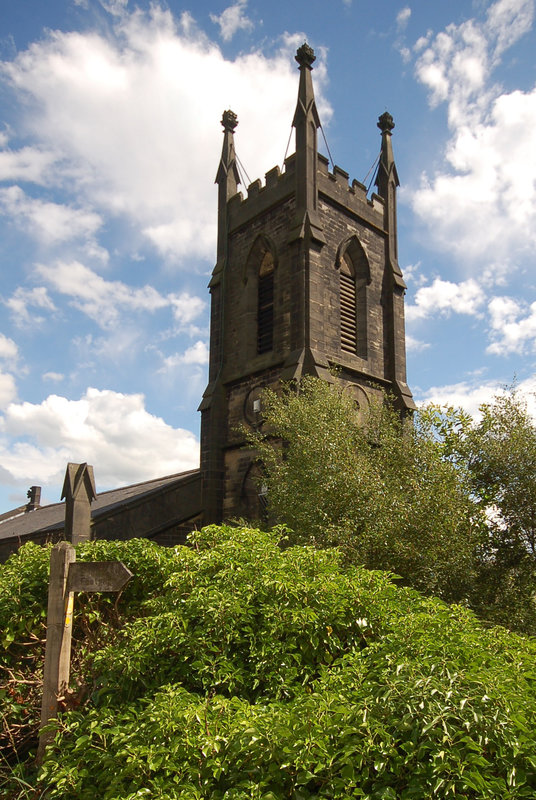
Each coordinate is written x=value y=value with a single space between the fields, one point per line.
x=112 y=431
x=196 y=354
x=104 y=301
x=27 y=164
x=414 y=345
x=470 y=395
x=49 y=222
x=9 y=358
x=186 y=307
x=465 y=394
x=8 y=389
x=137 y=139
x=121 y=344
x=402 y=18
x=23 y=301
x=457 y=63
x=422 y=42
x=508 y=21
x=513 y=326
x=487 y=209
x=482 y=203
x=55 y=377
x=115 y=7
x=101 y=300
x=8 y=349
x=444 y=297
x=232 y=19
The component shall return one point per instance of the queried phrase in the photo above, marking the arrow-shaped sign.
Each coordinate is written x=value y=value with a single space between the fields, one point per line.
x=97 y=576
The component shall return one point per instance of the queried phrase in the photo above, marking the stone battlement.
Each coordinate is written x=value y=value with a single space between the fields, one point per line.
x=334 y=186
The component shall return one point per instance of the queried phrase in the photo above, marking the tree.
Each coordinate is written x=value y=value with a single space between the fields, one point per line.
x=498 y=453
x=375 y=485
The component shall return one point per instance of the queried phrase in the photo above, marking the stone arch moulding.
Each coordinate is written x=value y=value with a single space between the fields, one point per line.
x=354 y=279
x=354 y=250
x=262 y=245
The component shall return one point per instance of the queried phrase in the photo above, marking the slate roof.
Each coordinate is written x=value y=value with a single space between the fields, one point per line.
x=50 y=518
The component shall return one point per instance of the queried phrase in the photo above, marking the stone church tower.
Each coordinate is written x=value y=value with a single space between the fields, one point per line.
x=306 y=280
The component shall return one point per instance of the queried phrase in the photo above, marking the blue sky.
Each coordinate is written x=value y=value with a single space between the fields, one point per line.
x=109 y=145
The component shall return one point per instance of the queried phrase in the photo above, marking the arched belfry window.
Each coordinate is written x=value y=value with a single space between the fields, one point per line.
x=354 y=279
x=265 y=304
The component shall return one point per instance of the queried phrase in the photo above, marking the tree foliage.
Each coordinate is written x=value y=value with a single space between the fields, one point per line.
x=375 y=485
x=446 y=501
x=498 y=453
x=240 y=669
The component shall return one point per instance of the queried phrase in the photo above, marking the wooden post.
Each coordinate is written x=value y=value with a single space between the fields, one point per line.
x=79 y=492
x=58 y=646
x=67 y=577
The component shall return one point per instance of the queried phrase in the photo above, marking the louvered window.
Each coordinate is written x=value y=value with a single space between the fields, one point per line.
x=265 y=305
x=348 y=310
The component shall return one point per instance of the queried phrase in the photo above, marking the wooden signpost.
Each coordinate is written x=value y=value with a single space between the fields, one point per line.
x=67 y=577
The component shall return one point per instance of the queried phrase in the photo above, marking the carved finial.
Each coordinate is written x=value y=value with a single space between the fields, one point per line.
x=385 y=122
x=305 y=55
x=229 y=121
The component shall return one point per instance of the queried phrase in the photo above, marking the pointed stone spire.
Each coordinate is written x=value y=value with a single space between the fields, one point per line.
x=306 y=122
x=227 y=179
x=387 y=183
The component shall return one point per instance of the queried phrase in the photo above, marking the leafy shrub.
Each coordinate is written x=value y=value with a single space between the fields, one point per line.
x=261 y=672
x=23 y=607
x=226 y=625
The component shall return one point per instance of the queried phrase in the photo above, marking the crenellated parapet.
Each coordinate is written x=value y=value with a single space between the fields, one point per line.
x=333 y=187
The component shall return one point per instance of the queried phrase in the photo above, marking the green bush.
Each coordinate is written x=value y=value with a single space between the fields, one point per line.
x=253 y=671
x=23 y=607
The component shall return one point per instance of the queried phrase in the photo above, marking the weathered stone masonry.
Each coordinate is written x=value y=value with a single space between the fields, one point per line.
x=306 y=279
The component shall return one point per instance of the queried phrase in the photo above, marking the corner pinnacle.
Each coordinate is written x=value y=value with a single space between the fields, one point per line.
x=385 y=122
x=229 y=120
x=305 y=55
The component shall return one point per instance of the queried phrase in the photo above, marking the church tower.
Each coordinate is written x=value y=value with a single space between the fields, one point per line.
x=306 y=280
